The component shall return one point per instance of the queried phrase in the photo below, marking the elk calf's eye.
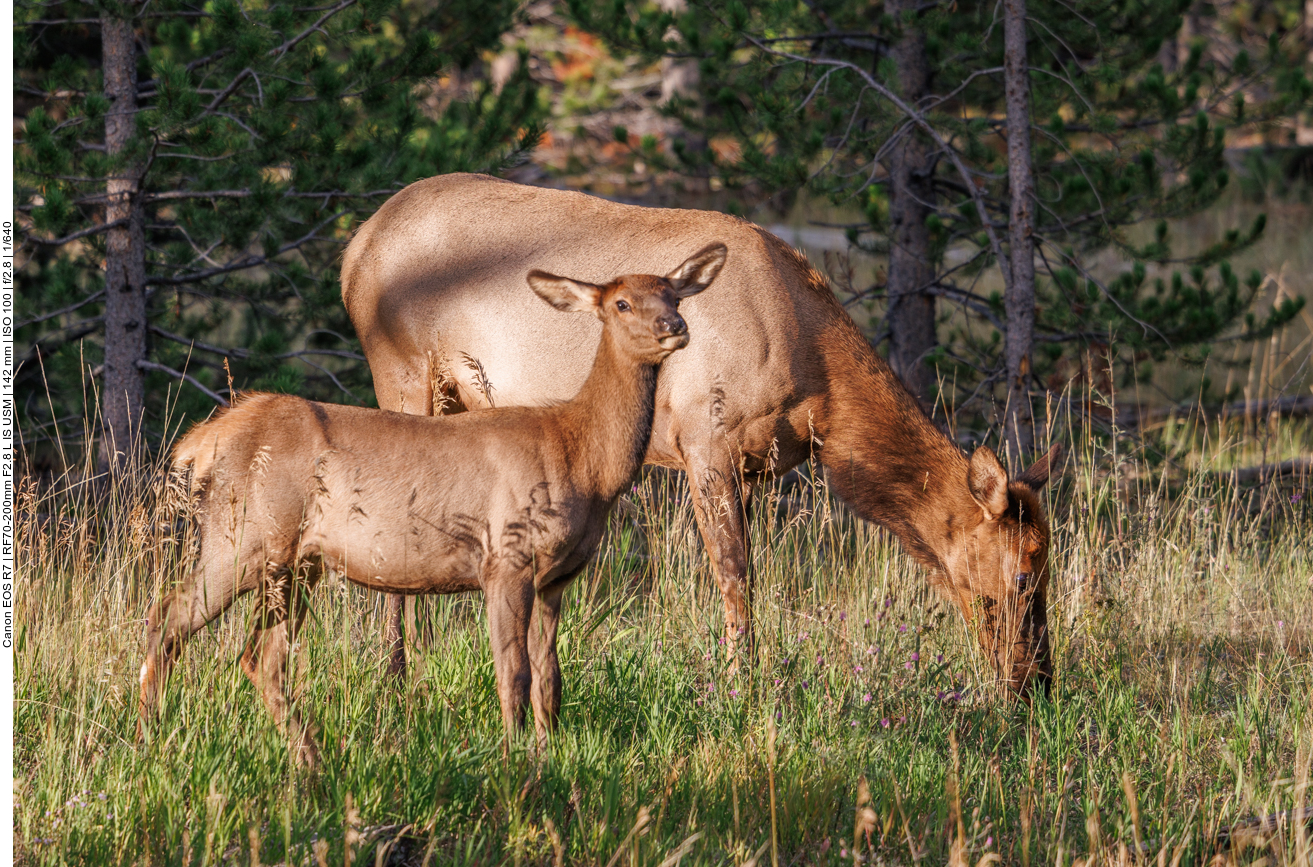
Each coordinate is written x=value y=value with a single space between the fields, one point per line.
x=1023 y=578
x=622 y=306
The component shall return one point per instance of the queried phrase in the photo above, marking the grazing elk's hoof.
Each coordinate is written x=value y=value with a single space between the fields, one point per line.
x=306 y=754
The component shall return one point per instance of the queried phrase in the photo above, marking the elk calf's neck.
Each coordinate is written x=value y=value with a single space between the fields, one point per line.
x=509 y=501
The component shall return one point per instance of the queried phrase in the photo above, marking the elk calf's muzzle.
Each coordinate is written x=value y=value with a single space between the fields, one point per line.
x=671 y=326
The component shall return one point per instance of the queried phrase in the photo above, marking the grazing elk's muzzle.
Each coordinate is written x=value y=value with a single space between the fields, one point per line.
x=1016 y=641
x=1005 y=594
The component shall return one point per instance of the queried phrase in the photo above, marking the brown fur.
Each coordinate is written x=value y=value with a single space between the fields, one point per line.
x=511 y=501
x=777 y=361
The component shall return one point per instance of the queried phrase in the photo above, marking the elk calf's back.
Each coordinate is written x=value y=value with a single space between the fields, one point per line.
x=510 y=501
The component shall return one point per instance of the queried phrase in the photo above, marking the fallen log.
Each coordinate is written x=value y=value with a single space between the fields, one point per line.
x=1294 y=406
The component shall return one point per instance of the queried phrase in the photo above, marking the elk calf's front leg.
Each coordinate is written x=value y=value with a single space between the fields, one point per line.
x=265 y=664
x=510 y=604
x=175 y=618
x=542 y=657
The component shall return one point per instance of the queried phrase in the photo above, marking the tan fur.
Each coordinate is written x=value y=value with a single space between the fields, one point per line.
x=777 y=360
x=512 y=502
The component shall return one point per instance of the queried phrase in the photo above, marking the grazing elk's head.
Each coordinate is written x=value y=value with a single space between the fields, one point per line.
x=640 y=311
x=1000 y=571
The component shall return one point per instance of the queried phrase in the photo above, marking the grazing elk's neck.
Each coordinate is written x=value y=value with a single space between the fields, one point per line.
x=884 y=456
x=609 y=447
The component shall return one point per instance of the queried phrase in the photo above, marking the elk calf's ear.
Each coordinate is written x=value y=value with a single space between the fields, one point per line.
x=697 y=273
x=572 y=296
x=1037 y=476
x=988 y=482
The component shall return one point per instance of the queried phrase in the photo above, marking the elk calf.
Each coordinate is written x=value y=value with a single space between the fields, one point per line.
x=509 y=501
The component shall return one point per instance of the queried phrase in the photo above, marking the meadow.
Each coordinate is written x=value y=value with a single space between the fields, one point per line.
x=866 y=730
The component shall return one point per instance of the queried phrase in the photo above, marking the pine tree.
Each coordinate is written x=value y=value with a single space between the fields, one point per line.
x=188 y=175
x=818 y=96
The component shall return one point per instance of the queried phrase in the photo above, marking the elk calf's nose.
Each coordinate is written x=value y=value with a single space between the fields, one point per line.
x=672 y=325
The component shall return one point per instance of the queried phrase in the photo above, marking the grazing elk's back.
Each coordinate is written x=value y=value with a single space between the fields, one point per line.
x=778 y=365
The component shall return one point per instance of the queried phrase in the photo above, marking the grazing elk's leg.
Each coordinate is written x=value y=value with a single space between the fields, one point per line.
x=415 y=400
x=279 y=618
x=393 y=634
x=509 y=594
x=543 y=659
x=722 y=518
x=202 y=596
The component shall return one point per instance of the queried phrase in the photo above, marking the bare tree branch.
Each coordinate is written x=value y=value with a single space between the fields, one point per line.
x=82 y=233
x=61 y=311
x=178 y=374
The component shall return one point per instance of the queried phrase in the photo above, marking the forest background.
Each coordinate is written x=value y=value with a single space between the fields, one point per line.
x=1061 y=221
x=1162 y=137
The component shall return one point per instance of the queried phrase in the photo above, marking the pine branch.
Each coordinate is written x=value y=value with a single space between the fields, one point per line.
x=236 y=352
x=151 y=365
x=335 y=380
x=920 y=120
x=83 y=233
x=295 y=40
x=61 y=311
x=249 y=262
x=176 y=195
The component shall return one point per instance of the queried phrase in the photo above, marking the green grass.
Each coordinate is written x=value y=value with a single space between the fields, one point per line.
x=1183 y=614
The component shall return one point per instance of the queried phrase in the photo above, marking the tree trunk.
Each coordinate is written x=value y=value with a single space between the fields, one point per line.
x=125 y=259
x=911 y=276
x=1019 y=300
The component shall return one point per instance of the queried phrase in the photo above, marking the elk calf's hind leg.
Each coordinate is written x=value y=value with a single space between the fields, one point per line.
x=510 y=604
x=279 y=618
x=546 y=690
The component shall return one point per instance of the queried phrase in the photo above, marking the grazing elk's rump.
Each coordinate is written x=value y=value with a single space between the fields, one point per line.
x=512 y=501
x=778 y=368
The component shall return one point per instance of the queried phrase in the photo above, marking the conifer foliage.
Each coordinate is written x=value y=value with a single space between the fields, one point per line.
x=188 y=174
x=1128 y=118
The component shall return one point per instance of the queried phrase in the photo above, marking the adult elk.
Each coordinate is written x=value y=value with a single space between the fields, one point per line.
x=510 y=501
x=429 y=282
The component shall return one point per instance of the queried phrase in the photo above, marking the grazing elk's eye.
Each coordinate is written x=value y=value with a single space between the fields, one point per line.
x=1023 y=578
x=622 y=305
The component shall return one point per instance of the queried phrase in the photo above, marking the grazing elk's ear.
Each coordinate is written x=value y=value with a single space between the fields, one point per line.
x=988 y=483
x=572 y=296
x=697 y=273
x=1037 y=476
